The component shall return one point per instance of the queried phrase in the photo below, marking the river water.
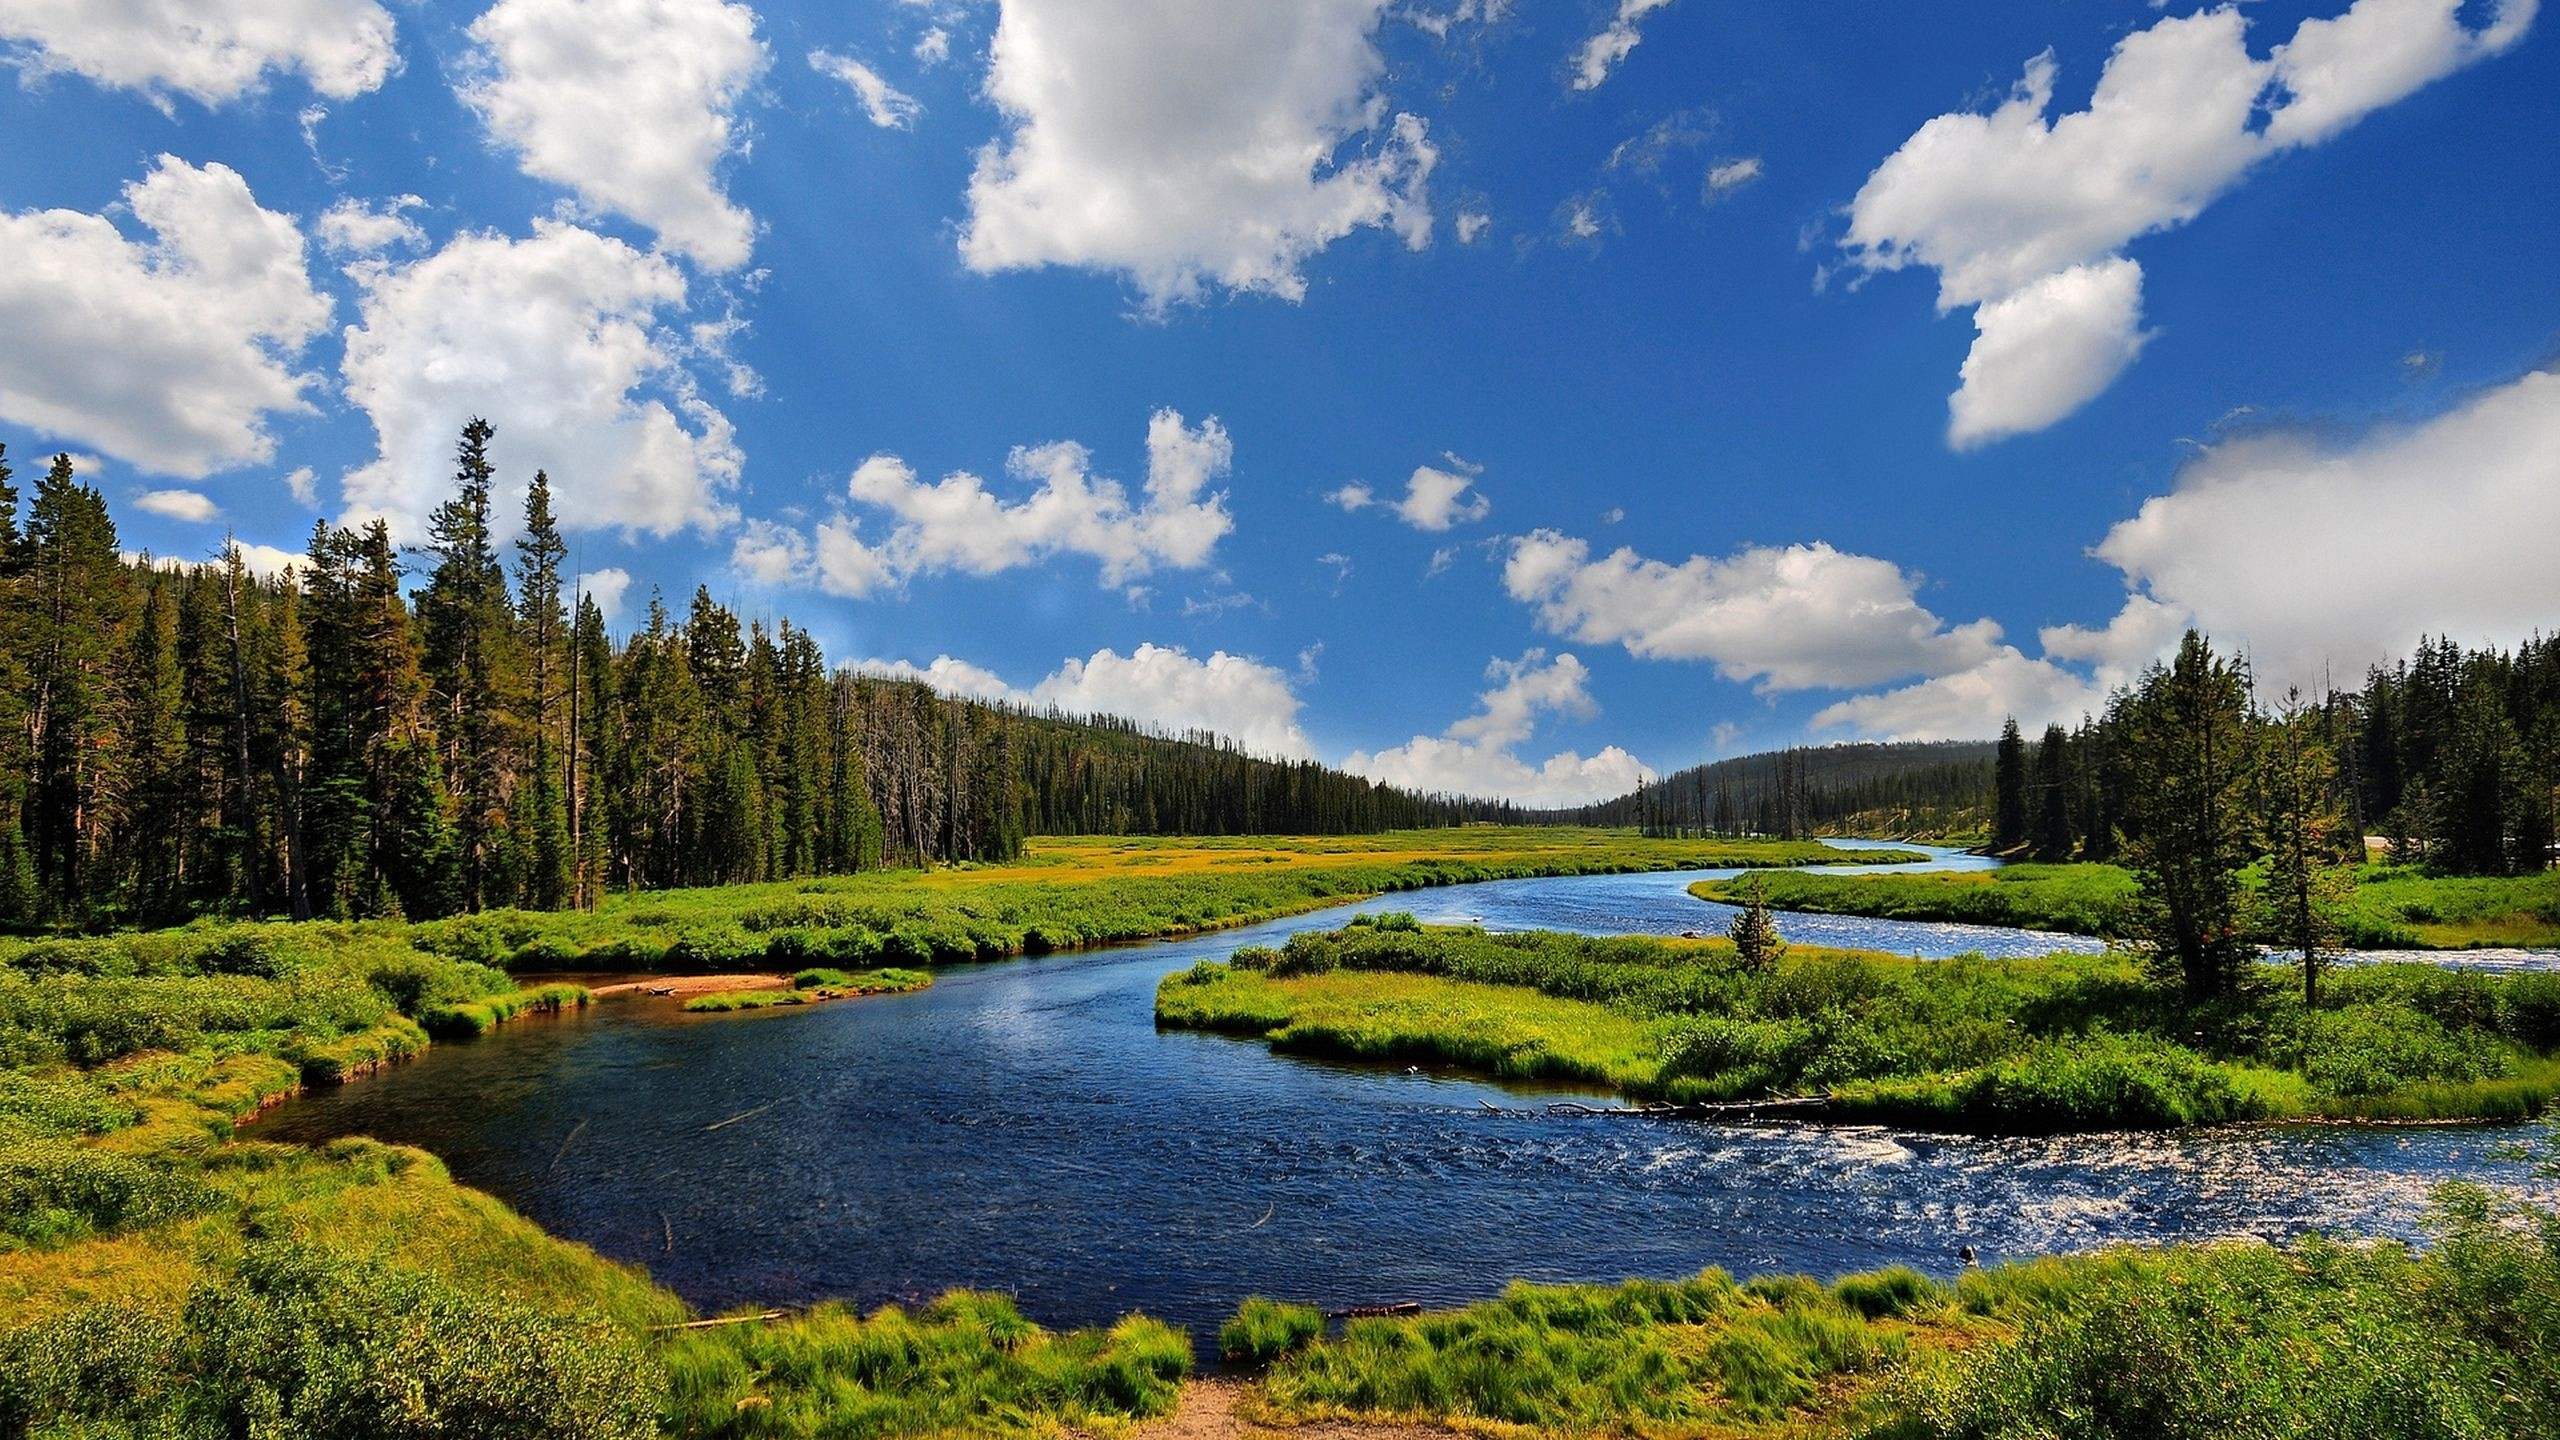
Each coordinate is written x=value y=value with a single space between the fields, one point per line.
x=1023 y=1127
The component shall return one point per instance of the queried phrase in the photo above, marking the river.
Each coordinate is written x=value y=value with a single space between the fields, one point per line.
x=1023 y=1127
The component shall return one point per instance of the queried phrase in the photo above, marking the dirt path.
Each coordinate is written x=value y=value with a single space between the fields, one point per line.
x=1209 y=1413
x=681 y=985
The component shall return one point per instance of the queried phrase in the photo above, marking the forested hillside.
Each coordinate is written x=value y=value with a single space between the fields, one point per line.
x=1906 y=787
x=375 y=732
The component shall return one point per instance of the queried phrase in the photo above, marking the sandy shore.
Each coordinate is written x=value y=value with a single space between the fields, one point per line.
x=682 y=985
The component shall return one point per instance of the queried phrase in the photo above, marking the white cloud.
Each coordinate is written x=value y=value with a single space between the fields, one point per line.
x=2003 y=205
x=959 y=524
x=1191 y=146
x=1791 y=618
x=606 y=587
x=2316 y=560
x=189 y=505
x=1434 y=499
x=1474 y=756
x=629 y=103
x=302 y=485
x=556 y=340
x=209 y=50
x=1601 y=53
x=1727 y=176
x=353 y=228
x=882 y=103
x=1471 y=225
x=2318 y=556
x=169 y=355
x=267 y=561
x=770 y=554
x=1157 y=685
x=1437 y=500
x=934 y=47
x=2046 y=350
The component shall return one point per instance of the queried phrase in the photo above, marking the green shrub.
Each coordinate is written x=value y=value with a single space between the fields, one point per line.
x=52 y=1192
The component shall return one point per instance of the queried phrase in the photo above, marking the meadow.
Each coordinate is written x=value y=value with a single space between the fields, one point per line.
x=159 y=1276
x=2391 y=907
x=2063 y=1043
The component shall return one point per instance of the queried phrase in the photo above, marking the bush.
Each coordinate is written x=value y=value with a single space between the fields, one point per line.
x=55 y=1192
x=2371 y=1049
x=306 y=1344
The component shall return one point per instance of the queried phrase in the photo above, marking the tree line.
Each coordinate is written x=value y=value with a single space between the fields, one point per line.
x=2189 y=779
x=378 y=732
x=2452 y=756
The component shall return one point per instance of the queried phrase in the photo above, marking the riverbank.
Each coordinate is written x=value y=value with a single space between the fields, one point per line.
x=2389 y=908
x=2055 y=1045
x=133 y=1221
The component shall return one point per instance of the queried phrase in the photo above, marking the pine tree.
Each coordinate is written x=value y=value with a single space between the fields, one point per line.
x=1754 y=931
x=2188 y=754
x=77 y=633
x=466 y=621
x=2053 y=838
x=2009 y=790
x=2301 y=834
x=543 y=798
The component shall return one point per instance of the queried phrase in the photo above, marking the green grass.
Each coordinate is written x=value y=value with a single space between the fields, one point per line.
x=968 y=1364
x=2314 y=1339
x=2061 y=1043
x=2390 y=908
x=1063 y=894
x=805 y=989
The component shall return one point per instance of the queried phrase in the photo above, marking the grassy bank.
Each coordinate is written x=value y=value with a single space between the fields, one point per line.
x=2315 y=1339
x=2391 y=907
x=2068 y=1042
x=159 y=1276
x=1061 y=895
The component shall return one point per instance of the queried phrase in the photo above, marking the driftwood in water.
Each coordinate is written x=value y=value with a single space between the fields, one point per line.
x=1784 y=1107
x=1363 y=1312
x=759 y=1318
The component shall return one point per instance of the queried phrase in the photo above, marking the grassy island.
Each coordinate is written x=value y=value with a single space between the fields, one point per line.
x=2064 y=1043
x=2390 y=907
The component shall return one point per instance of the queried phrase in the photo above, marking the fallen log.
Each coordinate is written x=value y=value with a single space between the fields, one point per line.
x=1363 y=1312
x=759 y=1318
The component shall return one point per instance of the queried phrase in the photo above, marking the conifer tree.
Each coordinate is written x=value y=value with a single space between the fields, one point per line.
x=77 y=632
x=2188 y=750
x=2053 y=837
x=542 y=794
x=467 y=633
x=2009 y=790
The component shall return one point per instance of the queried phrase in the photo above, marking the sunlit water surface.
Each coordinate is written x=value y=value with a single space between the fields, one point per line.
x=1023 y=1127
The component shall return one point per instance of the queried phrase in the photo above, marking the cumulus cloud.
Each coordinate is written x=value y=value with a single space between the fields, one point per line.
x=1475 y=755
x=1471 y=225
x=2013 y=207
x=2315 y=558
x=934 y=47
x=209 y=50
x=606 y=587
x=959 y=524
x=1790 y=618
x=1191 y=146
x=190 y=505
x=1601 y=53
x=630 y=104
x=352 y=228
x=884 y=104
x=1434 y=499
x=170 y=355
x=2046 y=350
x=558 y=342
x=1240 y=698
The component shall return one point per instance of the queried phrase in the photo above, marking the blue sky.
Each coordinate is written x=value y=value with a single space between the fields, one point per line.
x=1500 y=395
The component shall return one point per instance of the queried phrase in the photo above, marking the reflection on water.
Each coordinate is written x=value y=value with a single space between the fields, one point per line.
x=1023 y=1127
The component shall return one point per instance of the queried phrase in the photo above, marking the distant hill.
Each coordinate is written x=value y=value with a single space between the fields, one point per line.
x=1937 y=788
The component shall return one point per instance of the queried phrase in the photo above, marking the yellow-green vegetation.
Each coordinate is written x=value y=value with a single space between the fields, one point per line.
x=1063 y=893
x=2391 y=907
x=825 y=985
x=160 y=1277
x=2061 y=1043
x=967 y=1364
x=2314 y=1339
